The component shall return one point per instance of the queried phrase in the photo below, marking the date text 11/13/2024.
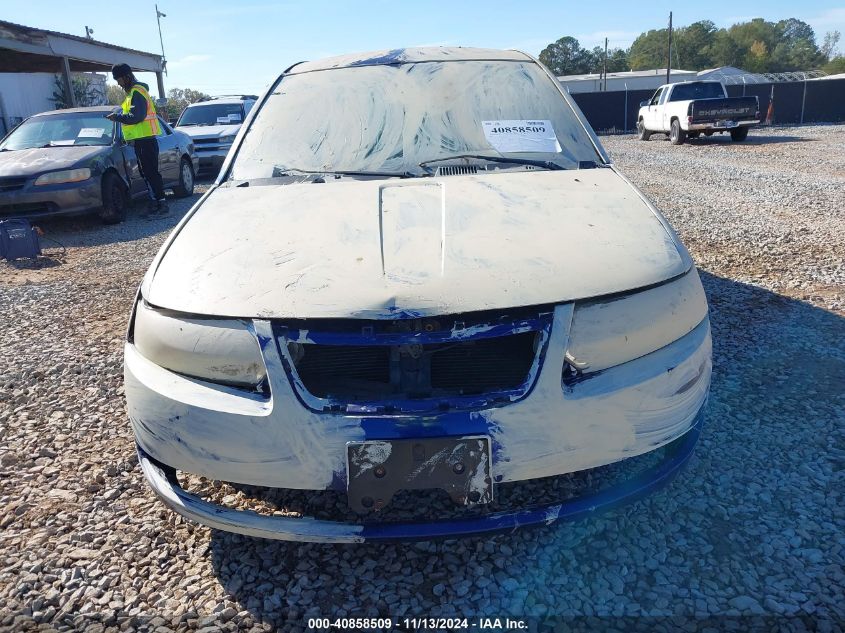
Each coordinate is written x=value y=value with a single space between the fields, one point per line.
x=416 y=624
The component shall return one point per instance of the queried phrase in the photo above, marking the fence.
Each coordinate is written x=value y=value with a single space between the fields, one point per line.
x=820 y=101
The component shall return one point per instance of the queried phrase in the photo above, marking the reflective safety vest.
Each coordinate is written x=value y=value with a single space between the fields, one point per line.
x=149 y=126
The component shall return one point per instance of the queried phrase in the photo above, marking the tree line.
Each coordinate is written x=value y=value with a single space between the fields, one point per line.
x=756 y=46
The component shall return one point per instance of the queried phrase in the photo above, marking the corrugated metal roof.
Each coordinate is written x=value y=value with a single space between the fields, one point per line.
x=656 y=72
x=837 y=76
x=32 y=34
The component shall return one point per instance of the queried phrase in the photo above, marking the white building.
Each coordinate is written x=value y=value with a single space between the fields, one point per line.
x=629 y=80
x=23 y=94
x=653 y=79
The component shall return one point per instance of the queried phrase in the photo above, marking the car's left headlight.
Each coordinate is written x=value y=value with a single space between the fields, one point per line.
x=218 y=350
x=66 y=175
x=609 y=332
x=228 y=139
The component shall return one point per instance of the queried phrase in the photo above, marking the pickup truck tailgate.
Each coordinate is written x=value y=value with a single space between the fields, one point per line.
x=733 y=108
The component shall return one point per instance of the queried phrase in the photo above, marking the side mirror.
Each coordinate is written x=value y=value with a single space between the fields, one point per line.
x=644 y=103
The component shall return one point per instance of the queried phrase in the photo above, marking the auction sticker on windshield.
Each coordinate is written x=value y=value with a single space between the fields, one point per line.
x=90 y=132
x=521 y=136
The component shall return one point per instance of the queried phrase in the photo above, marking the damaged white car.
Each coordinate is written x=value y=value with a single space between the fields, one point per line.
x=418 y=270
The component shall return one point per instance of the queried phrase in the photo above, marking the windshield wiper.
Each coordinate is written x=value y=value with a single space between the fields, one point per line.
x=279 y=172
x=493 y=159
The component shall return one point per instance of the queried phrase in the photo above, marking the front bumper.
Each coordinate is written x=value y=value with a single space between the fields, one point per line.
x=163 y=481
x=560 y=426
x=211 y=159
x=49 y=200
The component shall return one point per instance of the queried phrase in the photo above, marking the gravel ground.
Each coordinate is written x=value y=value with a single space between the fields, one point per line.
x=753 y=528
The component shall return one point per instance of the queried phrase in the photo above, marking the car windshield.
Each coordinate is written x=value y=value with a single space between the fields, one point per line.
x=212 y=114
x=58 y=130
x=391 y=118
x=706 y=90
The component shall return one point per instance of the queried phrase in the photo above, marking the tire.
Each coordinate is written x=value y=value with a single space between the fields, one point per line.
x=708 y=133
x=676 y=135
x=739 y=134
x=185 y=186
x=642 y=133
x=114 y=199
x=693 y=134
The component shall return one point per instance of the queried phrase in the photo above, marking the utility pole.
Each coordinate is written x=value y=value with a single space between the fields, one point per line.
x=669 y=56
x=605 y=64
x=160 y=15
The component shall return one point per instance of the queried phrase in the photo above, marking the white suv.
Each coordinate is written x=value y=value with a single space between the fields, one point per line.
x=213 y=125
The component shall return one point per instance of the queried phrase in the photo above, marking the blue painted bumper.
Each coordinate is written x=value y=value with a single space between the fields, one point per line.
x=164 y=483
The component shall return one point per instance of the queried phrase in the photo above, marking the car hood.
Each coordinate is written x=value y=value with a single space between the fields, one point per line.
x=31 y=162
x=208 y=131
x=402 y=248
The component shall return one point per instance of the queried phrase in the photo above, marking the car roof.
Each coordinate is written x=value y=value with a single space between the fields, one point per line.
x=223 y=100
x=409 y=56
x=91 y=109
x=698 y=81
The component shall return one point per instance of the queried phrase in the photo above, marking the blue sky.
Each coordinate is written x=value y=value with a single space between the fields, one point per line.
x=242 y=45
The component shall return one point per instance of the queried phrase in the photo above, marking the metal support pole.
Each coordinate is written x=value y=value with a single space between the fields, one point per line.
x=159 y=16
x=68 y=82
x=605 y=65
x=669 y=55
x=160 y=81
x=803 y=99
x=7 y=123
x=626 y=106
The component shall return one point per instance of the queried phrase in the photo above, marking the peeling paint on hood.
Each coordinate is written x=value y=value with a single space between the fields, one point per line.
x=368 y=249
x=31 y=162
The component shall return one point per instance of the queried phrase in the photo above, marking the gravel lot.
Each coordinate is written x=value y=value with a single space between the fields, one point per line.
x=755 y=525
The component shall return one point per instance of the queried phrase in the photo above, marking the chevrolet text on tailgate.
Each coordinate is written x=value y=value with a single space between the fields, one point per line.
x=418 y=273
x=688 y=108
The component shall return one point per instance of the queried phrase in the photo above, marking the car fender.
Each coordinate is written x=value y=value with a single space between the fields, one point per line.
x=110 y=164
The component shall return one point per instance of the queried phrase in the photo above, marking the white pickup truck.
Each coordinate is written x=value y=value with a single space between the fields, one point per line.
x=688 y=108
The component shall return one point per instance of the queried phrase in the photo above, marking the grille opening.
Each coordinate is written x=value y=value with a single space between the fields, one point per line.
x=457 y=170
x=368 y=373
x=11 y=184
x=343 y=370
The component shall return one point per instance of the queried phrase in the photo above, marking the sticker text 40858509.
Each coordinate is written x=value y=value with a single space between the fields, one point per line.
x=530 y=126
x=521 y=136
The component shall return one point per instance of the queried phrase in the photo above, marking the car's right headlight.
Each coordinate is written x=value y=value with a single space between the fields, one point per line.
x=611 y=331
x=218 y=350
x=64 y=176
x=228 y=139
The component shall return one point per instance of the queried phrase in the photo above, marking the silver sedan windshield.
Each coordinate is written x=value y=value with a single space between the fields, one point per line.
x=54 y=130
x=390 y=118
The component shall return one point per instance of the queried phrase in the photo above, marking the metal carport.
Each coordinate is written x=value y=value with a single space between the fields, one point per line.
x=25 y=49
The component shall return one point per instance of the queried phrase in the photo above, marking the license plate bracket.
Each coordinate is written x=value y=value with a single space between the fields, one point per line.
x=378 y=469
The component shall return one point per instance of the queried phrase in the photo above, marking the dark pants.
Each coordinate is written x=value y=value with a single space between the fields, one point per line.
x=146 y=149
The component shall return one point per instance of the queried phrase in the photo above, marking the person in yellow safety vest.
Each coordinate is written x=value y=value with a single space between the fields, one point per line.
x=140 y=128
